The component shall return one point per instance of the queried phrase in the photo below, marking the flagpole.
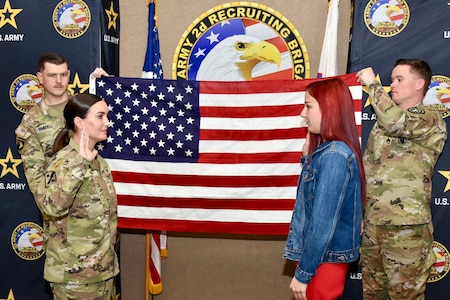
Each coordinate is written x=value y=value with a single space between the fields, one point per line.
x=147 y=263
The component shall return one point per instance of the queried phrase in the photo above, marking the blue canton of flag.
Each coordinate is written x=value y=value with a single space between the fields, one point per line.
x=161 y=124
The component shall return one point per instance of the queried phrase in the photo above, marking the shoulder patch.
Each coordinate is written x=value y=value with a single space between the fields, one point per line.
x=50 y=177
x=416 y=110
x=22 y=132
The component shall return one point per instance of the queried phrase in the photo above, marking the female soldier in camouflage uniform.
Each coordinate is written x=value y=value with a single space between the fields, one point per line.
x=81 y=203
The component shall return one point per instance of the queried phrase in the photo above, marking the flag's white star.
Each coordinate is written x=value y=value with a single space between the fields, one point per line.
x=144 y=126
x=170 y=136
x=134 y=86
x=180 y=128
x=170 y=151
x=188 y=153
x=144 y=111
x=101 y=83
x=190 y=120
x=179 y=144
x=162 y=127
x=152 y=134
x=188 y=89
x=152 y=151
x=161 y=143
x=189 y=137
x=152 y=87
x=118 y=148
x=144 y=142
x=162 y=112
x=172 y=120
x=118 y=101
x=179 y=97
x=118 y=86
x=136 y=102
x=170 y=89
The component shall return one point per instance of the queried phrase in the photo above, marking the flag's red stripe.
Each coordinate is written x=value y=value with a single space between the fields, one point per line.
x=251 y=112
x=237 y=158
x=209 y=180
x=198 y=226
x=243 y=204
x=255 y=135
x=249 y=87
x=266 y=86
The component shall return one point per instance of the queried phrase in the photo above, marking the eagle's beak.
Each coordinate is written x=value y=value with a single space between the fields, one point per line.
x=263 y=51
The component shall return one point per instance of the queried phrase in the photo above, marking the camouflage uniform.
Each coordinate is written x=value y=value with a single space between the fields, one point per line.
x=81 y=203
x=401 y=153
x=35 y=137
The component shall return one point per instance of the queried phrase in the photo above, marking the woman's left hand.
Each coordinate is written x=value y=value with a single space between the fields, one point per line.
x=298 y=289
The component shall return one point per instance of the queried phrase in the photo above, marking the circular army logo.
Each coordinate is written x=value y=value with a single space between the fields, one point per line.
x=27 y=241
x=441 y=265
x=25 y=92
x=71 y=18
x=386 y=18
x=241 y=41
x=438 y=95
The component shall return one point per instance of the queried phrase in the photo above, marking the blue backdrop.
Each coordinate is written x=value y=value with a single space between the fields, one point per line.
x=87 y=34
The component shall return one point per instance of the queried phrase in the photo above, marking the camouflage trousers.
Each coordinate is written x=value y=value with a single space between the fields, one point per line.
x=103 y=290
x=396 y=261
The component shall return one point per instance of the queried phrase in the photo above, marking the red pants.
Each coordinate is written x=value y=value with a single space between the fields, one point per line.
x=328 y=284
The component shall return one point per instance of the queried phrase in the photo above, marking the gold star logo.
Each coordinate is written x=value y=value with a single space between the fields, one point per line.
x=9 y=164
x=366 y=90
x=112 y=16
x=76 y=86
x=8 y=14
x=446 y=174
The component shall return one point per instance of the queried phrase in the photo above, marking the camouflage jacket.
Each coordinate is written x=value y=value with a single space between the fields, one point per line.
x=34 y=138
x=81 y=203
x=399 y=160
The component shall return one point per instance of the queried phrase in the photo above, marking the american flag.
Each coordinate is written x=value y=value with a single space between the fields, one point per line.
x=206 y=156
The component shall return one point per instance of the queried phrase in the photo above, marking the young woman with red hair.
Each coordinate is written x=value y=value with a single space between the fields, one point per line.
x=325 y=231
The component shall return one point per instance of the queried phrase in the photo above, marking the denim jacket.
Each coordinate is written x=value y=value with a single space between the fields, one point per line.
x=326 y=220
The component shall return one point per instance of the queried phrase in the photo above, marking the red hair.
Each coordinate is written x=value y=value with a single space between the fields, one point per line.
x=338 y=119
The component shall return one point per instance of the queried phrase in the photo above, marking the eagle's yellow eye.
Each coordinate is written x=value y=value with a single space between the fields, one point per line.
x=239 y=46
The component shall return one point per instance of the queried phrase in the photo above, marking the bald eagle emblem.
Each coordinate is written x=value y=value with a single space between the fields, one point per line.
x=71 y=18
x=24 y=92
x=241 y=42
x=438 y=95
x=386 y=18
x=27 y=241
